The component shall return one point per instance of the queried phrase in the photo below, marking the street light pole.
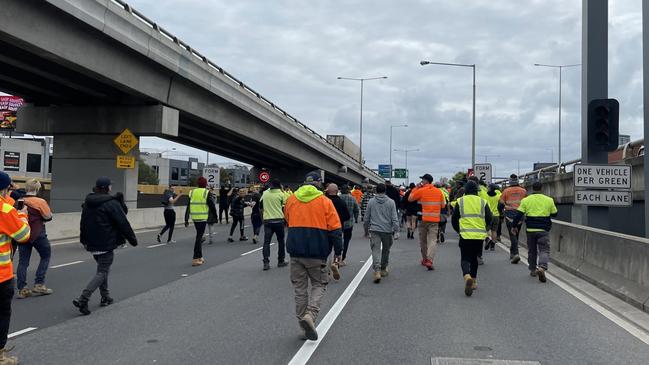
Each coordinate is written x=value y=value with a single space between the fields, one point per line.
x=424 y=63
x=560 y=67
x=406 y=151
x=391 y=127
x=362 y=81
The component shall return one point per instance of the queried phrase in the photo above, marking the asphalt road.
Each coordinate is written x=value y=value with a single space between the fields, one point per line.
x=230 y=312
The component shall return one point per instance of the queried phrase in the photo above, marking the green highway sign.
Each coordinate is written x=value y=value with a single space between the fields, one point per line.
x=400 y=173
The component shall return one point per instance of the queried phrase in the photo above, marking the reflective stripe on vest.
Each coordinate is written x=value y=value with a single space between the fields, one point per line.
x=472 y=217
x=199 y=210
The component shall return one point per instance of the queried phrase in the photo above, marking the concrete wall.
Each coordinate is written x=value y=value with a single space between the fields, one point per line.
x=617 y=263
x=22 y=147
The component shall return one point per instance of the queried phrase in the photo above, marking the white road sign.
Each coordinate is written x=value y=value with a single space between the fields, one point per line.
x=603 y=176
x=604 y=198
x=483 y=171
x=213 y=176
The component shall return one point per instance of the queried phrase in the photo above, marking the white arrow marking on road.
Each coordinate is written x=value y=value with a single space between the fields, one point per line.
x=308 y=348
x=255 y=250
x=18 y=333
x=68 y=264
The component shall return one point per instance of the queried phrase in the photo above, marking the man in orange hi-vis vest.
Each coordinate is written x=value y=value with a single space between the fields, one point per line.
x=13 y=226
x=432 y=201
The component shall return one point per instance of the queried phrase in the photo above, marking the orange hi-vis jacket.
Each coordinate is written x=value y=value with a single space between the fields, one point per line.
x=358 y=195
x=432 y=201
x=313 y=224
x=512 y=197
x=13 y=226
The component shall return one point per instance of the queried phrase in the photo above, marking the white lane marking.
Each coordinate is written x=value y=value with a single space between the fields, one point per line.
x=158 y=245
x=23 y=331
x=308 y=348
x=626 y=325
x=255 y=250
x=68 y=264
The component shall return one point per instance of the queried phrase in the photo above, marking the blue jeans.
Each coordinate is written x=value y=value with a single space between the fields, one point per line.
x=42 y=246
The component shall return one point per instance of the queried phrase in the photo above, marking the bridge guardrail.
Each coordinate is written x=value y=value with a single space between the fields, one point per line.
x=167 y=34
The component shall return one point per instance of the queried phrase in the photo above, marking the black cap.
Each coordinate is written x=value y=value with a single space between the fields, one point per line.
x=427 y=177
x=103 y=183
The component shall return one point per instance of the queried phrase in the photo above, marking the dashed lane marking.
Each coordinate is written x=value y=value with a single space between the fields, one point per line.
x=67 y=264
x=157 y=245
x=21 y=332
x=255 y=250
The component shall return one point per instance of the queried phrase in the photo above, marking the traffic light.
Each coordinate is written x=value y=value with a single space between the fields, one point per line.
x=603 y=124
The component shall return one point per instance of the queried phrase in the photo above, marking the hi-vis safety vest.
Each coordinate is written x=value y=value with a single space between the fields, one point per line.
x=198 y=210
x=472 y=217
x=13 y=225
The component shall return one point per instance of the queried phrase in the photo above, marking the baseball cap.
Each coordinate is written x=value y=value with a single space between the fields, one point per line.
x=312 y=177
x=5 y=180
x=103 y=182
x=427 y=177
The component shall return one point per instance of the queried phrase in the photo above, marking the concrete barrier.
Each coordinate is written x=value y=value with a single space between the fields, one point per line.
x=615 y=262
x=66 y=225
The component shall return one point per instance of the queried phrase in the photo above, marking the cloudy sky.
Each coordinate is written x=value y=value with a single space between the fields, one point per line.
x=292 y=51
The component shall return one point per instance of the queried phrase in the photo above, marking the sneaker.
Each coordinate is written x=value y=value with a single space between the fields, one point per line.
x=282 y=264
x=41 y=289
x=475 y=284
x=171 y=241
x=533 y=273
x=197 y=262
x=429 y=264
x=442 y=237
x=377 y=277
x=266 y=266
x=468 y=285
x=308 y=325
x=106 y=301
x=230 y=239
x=335 y=272
x=423 y=262
x=254 y=241
x=540 y=272
x=202 y=260
x=516 y=259
x=342 y=263
x=82 y=305
x=480 y=261
x=24 y=293
x=7 y=360
x=243 y=238
x=384 y=273
x=158 y=239
x=487 y=243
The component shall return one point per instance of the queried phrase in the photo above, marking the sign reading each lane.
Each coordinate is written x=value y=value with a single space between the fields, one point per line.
x=603 y=176
x=604 y=198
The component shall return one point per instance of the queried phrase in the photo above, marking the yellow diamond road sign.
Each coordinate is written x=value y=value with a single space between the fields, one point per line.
x=125 y=162
x=126 y=141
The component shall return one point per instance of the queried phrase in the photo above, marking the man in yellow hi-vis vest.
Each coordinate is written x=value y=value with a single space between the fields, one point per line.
x=198 y=209
x=471 y=217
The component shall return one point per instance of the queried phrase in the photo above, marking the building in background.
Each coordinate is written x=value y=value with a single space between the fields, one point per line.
x=22 y=157
x=237 y=175
x=173 y=171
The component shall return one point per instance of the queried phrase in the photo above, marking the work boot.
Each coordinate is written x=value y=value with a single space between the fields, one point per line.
x=266 y=266
x=282 y=264
x=308 y=325
x=540 y=272
x=24 y=293
x=475 y=284
x=342 y=263
x=41 y=289
x=377 y=277
x=254 y=241
x=106 y=301
x=82 y=304
x=533 y=273
x=335 y=273
x=468 y=285
x=7 y=360
x=516 y=259
x=197 y=262
x=384 y=273
x=480 y=261
x=429 y=265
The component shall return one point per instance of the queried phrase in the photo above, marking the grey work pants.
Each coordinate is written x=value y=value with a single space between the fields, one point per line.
x=380 y=244
x=538 y=248
x=303 y=271
x=428 y=239
x=100 y=280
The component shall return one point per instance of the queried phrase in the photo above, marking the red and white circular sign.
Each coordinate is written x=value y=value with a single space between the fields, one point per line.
x=264 y=176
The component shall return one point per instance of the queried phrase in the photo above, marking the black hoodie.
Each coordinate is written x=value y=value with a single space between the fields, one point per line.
x=103 y=223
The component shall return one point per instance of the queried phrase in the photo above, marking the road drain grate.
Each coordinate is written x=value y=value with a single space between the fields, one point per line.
x=460 y=361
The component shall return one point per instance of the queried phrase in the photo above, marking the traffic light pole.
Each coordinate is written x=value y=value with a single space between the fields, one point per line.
x=645 y=83
x=594 y=85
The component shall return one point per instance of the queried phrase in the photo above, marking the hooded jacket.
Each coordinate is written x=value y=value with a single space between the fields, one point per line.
x=104 y=223
x=341 y=208
x=381 y=215
x=313 y=224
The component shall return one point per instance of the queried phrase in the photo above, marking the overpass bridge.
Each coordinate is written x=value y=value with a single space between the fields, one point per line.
x=90 y=68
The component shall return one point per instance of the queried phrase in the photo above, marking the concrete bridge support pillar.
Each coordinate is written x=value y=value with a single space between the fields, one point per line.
x=84 y=149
